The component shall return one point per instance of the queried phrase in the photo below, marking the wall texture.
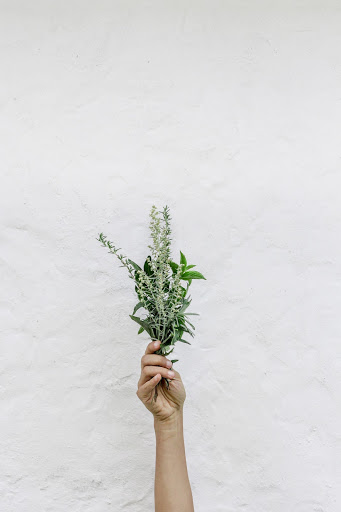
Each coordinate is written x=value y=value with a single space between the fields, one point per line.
x=230 y=113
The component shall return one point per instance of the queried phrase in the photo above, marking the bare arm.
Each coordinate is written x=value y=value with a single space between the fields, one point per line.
x=172 y=488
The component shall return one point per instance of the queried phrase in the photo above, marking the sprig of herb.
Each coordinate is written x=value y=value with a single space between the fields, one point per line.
x=159 y=286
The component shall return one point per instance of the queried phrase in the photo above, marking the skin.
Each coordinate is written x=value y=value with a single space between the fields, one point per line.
x=172 y=488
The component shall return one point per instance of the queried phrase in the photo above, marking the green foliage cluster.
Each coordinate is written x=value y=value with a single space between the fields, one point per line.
x=161 y=286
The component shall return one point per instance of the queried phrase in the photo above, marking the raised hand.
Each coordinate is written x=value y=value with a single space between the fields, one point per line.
x=160 y=399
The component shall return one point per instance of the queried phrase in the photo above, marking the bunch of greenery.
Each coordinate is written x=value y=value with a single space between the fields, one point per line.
x=159 y=286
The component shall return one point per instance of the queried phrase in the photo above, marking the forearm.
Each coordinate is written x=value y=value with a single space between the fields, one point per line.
x=172 y=488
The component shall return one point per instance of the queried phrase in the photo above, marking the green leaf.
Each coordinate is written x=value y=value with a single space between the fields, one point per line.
x=147 y=266
x=183 y=260
x=187 y=314
x=188 y=330
x=141 y=329
x=174 y=360
x=179 y=334
x=135 y=265
x=192 y=274
x=184 y=341
x=183 y=308
x=190 y=324
x=174 y=337
x=138 y=306
x=174 y=266
x=190 y=266
x=142 y=323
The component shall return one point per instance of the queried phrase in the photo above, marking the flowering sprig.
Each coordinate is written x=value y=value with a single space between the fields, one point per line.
x=159 y=287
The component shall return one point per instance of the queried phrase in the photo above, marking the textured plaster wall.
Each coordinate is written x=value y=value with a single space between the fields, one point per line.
x=230 y=113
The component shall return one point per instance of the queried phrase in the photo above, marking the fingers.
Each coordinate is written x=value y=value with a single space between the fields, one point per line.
x=145 y=390
x=154 y=367
x=151 y=371
x=152 y=347
x=155 y=360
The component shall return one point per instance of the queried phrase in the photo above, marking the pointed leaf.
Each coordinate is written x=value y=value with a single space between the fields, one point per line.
x=142 y=323
x=141 y=329
x=190 y=324
x=147 y=266
x=138 y=306
x=188 y=330
x=184 y=341
x=135 y=265
x=183 y=308
x=174 y=360
x=190 y=266
x=174 y=266
x=183 y=260
x=192 y=274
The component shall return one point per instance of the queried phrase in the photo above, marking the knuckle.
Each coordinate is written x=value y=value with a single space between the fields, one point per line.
x=146 y=371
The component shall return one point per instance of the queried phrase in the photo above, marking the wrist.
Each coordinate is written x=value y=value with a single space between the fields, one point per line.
x=171 y=425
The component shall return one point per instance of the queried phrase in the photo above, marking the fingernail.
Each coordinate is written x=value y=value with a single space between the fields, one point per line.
x=156 y=343
x=171 y=373
x=168 y=363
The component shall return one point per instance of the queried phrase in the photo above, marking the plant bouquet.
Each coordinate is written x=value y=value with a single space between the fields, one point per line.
x=161 y=286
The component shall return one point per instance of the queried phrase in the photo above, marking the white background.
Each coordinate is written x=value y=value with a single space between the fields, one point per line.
x=229 y=112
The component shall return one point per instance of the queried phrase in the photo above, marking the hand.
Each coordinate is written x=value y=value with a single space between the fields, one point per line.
x=168 y=401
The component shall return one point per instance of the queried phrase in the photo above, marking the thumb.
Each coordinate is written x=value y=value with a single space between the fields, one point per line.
x=144 y=391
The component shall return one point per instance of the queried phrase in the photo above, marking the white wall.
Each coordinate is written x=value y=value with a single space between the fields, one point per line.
x=230 y=113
